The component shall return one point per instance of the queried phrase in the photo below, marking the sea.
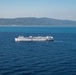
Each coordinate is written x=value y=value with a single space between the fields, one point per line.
x=56 y=57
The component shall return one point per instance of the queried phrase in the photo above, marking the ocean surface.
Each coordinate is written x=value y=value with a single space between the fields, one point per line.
x=56 y=57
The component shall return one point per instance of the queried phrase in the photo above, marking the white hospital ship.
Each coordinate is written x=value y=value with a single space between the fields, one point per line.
x=31 y=38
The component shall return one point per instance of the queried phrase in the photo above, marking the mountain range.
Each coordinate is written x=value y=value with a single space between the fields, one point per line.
x=35 y=21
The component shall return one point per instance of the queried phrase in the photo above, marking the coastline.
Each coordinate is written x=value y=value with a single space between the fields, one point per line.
x=37 y=25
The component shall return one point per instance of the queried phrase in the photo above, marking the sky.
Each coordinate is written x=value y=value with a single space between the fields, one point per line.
x=57 y=9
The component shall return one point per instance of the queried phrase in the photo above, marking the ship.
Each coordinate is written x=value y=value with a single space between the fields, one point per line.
x=33 y=38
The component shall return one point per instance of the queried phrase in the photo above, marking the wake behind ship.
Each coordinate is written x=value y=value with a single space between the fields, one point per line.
x=31 y=38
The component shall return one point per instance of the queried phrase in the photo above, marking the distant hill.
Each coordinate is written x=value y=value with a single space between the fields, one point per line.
x=35 y=21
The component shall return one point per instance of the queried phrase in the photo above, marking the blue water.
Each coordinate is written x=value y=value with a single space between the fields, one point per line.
x=56 y=57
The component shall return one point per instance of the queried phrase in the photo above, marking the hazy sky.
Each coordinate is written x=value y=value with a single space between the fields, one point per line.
x=59 y=9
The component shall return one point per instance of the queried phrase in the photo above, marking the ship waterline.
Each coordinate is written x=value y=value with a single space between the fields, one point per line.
x=31 y=38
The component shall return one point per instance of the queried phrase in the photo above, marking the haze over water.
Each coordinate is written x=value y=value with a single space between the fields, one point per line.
x=57 y=9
